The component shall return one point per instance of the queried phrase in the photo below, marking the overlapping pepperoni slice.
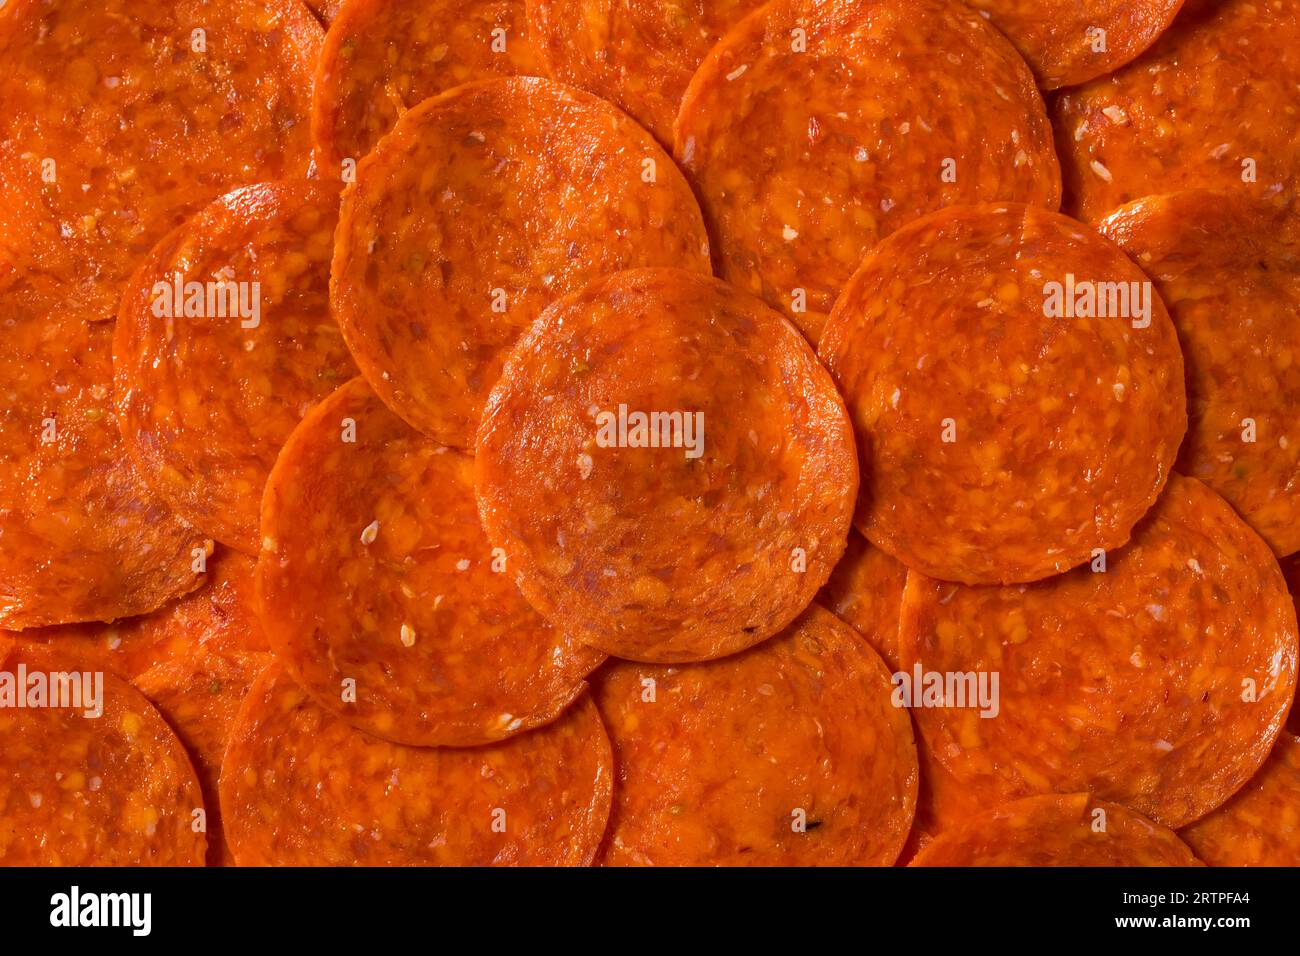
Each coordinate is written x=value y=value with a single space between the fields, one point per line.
x=1016 y=391
x=481 y=207
x=791 y=753
x=83 y=785
x=1068 y=830
x=1068 y=43
x=224 y=340
x=1143 y=683
x=669 y=470
x=382 y=57
x=380 y=592
x=816 y=127
x=302 y=787
x=638 y=54
x=1213 y=104
x=119 y=119
x=82 y=537
x=1227 y=265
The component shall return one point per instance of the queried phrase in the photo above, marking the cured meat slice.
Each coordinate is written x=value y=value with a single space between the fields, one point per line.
x=194 y=660
x=1260 y=826
x=1067 y=43
x=669 y=470
x=1067 y=830
x=119 y=119
x=1228 y=268
x=383 y=597
x=112 y=789
x=638 y=54
x=788 y=754
x=1291 y=571
x=224 y=340
x=82 y=538
x=1146 y=683
x=1016 y=388
x=481 y=207
x=866 y=590
x=303 y=788
x=382 y=57
x=1214 y=103
x=816 y=127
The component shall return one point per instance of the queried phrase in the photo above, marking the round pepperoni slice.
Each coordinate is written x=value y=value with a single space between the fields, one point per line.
x=383 y=57
x=668 y=468
x=1067 y=43
x=92 y=768
x=639 y=54
x=1214 y=103
x=303 y=788
x=1260 y=826
x=224 y=340
x=380 y=592
x=1228 y=268
x=195 y=660
x=119 y=119
x=790 y=754
x=866 y=590
x=1068 y=830
x=82 y=538
x=816 y=127
x=1146 y=683
x=480 y=208
x=1016 y=388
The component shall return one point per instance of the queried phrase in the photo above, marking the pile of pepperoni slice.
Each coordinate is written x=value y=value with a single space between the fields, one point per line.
x=820 y=432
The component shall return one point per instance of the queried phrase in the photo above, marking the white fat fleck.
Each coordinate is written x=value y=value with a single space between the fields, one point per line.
x=1102 y=172
x=1194 y=565
x=1164 y=746
x=408 y=636
x=35 y=798
x=95 y=783
x=860 y=154
x=462 y=564
x=437 y=601
x=788 y=234
x=886 y=205
x=738 y=72
x=904 y=128
x=584 y=466
x=1157 y=611
x=370 y=532
x=1219 y=151
x=1115 y=114
x=1282 y=442
x=893 y=399
x=1118 y=389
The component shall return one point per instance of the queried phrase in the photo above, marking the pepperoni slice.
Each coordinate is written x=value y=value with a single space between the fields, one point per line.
x=1145 y=683
x=115 y=789
x=1066 y=43
x=82 y=538
x=639 y=54
x=224 y=340
x=1260 y=826
x=866 y=590
x=1213 y=103
x=1004 y=432
x=789 y=754
x=382 y=57
x=1291 y=571
x=482 y=206
x=816 y=127
x=1068 y=830
x=194 y=660
x=303 y=788
x=119 y=119
x=668 y=468
x=382 y=595
x=1228 y=267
